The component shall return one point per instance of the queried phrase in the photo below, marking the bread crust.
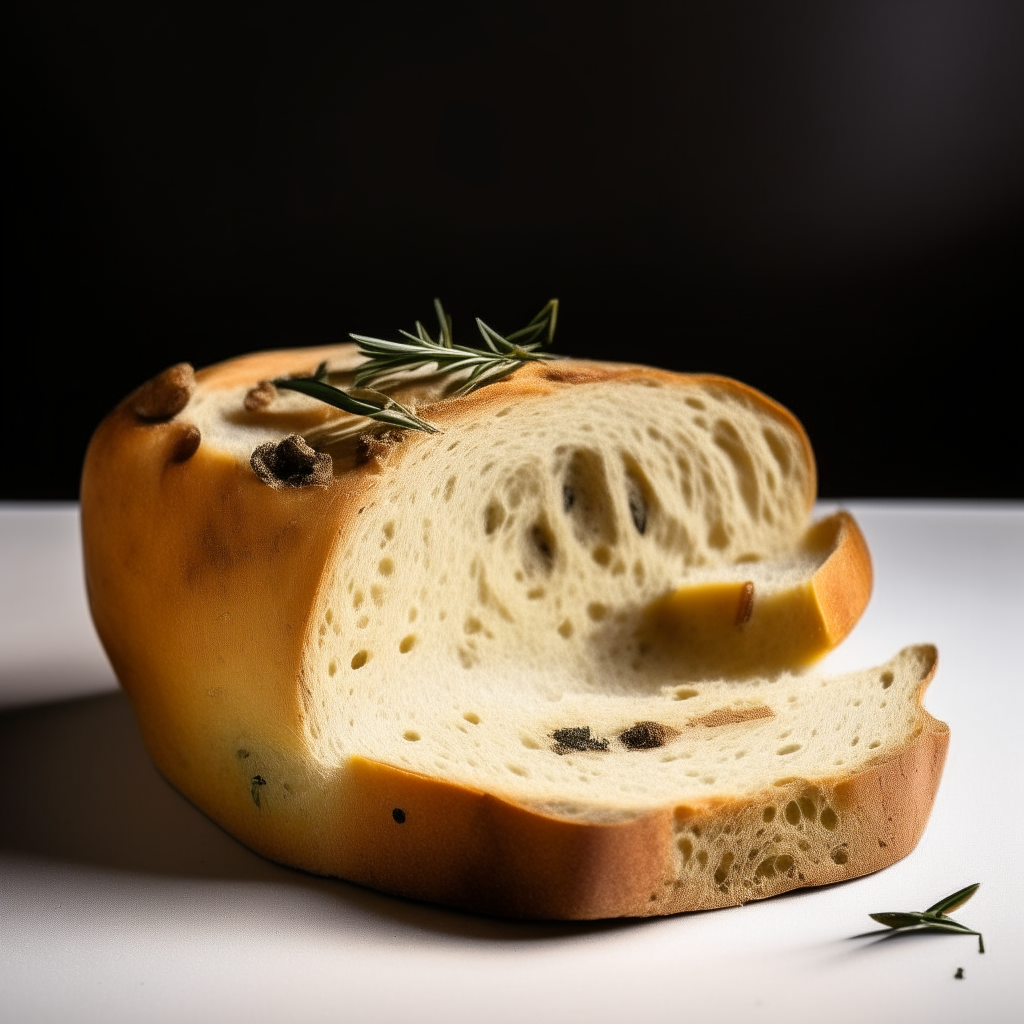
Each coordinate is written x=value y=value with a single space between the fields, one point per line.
x=721 y=630
x=174 y=549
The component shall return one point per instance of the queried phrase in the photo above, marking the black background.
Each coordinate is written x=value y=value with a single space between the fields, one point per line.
x=824 y=200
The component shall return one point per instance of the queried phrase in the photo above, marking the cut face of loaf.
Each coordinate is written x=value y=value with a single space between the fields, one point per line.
x=553 y=601
x=641 y=526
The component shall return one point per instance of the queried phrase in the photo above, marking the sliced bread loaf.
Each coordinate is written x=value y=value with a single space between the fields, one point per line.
x=519 y=619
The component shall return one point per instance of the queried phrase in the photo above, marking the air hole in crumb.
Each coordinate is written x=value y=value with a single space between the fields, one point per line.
x=637 y=506
x=695 y=403
x=332 y=667
x=686 y=848
x=516 y=770
x=530 y=743
x=407 y=643
x=412 y=614
x=768 y=813
x=386 y=567
x=793 y=812
x=873 y=744
x=472 y=716
x=360 y=658
x=685 y=693
x=449 y=488
x=494 y=516
x=840 y=856
x=807 y=807
x=357 y=599
x=789 y=748
x=639 y=495
x=596 y=611
x=541 y=545
x=565 y=628
x=887 y=678
x=829 y=819
x=718 y=538
x=586 y=498
x=329 y=616
x=411 y=735
x=389 y=529
x=784 y=863
x=855 y=741
x=602 y=554
x=778 y=450
x=722 y=871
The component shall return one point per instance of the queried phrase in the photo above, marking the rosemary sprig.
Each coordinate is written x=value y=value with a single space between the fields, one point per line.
x=502 y=354
x=388 y=358
x=358 y=401
x=934 y=919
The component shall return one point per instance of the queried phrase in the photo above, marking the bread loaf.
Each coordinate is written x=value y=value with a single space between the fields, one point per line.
x=547 y=662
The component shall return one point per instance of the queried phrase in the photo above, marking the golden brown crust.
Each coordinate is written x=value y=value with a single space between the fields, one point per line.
x=727 y=628
x=218 y=540
x=843 y=584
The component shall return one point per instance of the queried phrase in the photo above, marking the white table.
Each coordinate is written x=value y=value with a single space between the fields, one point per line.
x=121 y=902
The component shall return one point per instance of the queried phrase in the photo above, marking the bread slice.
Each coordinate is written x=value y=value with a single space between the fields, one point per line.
x=381 y=659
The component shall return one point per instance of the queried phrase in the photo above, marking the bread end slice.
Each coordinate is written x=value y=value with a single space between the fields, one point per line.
x=425 y=837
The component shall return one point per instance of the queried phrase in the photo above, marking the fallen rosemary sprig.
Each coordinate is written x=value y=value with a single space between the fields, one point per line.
x=358 y=401
x=934 y=918
x=502 y=355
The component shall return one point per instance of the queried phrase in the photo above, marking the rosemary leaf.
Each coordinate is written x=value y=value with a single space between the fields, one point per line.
x=958 y=899
x=897 y=920
x=933 y=919
x=358 y=401
x=501 y=356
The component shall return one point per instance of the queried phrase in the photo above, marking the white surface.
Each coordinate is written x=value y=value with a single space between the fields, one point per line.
x=120 y=902
x=48 y=648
